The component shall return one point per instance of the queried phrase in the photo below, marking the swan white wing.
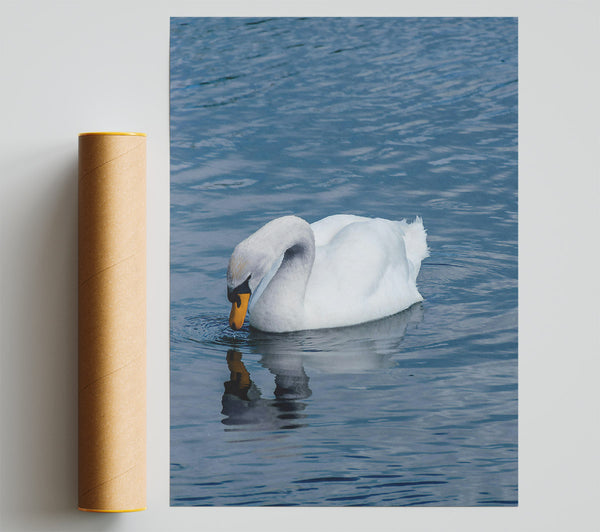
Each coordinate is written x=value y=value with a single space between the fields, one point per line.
x=363 y=273
x=377 y=230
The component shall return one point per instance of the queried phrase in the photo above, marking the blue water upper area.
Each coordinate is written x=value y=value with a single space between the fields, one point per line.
x=383 y=117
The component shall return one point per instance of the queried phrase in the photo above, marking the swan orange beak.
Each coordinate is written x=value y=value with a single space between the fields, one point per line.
x=238 y=311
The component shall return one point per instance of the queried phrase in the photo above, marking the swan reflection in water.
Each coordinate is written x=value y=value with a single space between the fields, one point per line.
x=367 y=347
x=243 y=404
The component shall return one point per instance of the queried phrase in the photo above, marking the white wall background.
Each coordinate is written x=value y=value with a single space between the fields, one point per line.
x=68 y=67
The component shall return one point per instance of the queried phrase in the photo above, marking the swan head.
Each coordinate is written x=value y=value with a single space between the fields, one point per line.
x=247 y=266
x=258 y=257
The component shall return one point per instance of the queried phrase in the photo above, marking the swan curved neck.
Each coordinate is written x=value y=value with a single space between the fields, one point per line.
x=296 y=242
x=292 y=238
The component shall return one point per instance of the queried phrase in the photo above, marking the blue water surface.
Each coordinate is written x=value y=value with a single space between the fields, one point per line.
x=387 y=117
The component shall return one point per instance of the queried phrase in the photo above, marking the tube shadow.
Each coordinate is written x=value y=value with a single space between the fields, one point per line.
x=38 y=390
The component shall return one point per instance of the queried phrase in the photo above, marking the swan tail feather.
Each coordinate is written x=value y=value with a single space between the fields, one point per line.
x=416 y=243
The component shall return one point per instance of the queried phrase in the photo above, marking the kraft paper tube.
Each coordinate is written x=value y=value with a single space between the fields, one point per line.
x=112 y=322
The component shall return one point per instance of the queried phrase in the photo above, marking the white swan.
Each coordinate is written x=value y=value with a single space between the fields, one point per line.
x=339 y=271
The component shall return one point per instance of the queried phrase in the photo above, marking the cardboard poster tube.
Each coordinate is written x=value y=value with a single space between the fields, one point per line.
x=112 y=322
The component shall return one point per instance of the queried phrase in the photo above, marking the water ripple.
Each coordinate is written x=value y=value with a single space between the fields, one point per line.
x=378 y=117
